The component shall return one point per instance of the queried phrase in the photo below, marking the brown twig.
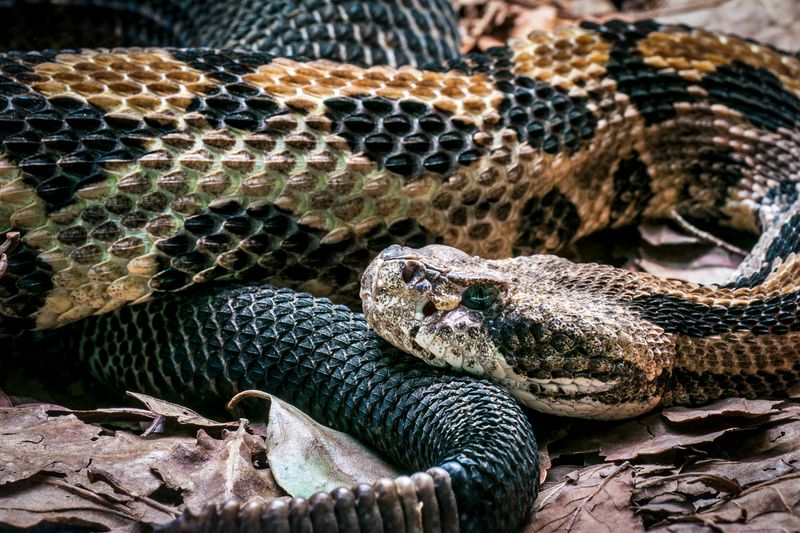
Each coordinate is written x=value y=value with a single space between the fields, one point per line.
x=705 y=236
x=96 y=474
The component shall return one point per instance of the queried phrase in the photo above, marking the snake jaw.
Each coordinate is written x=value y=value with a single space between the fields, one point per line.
x=453 y=338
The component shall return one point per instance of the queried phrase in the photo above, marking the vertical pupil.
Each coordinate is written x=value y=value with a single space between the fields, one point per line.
x=479 y=297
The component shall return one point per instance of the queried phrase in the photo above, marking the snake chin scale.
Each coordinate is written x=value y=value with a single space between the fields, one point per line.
x=586 y=408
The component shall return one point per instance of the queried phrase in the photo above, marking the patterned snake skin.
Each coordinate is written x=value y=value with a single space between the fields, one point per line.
x=137 y=172
x=587 y=340
x=132 y=173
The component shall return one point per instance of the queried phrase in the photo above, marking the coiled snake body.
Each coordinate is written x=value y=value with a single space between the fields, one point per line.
x=132 y=173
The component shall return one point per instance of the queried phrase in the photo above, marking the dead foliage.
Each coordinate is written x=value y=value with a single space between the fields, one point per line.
x=733 y=465
x=129 y=467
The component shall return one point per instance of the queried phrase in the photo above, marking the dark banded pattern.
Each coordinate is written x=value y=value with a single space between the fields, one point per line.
x=584 y=339
x=138 y=172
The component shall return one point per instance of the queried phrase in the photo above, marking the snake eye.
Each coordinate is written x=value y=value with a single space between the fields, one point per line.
x=479 y=297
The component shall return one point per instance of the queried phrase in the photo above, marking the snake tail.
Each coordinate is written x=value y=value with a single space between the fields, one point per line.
x=324 y=359
x=422 y=502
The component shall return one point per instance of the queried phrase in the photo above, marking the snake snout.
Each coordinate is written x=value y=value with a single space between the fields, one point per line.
x=385 y=286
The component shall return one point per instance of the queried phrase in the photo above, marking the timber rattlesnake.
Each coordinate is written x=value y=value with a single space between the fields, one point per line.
x=136 y=172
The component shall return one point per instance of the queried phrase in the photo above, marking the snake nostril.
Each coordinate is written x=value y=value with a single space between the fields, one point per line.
x=410 y=271
x=428 y=309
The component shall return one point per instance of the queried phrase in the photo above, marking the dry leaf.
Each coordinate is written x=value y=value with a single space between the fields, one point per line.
x=182 y=415
x=654 y=434
x=729 y=407
x=591 y=8
x=767 y=455
x=47 y=501
x=307 y=457
x=705 y=264
x=769 y=21
x=541 y=18
x=770 y=506
x=649 y=435
x=593 y=500
x=214 y=470
x=59 y=470
x=692 y=272
x=721 y=452
x=656 y=234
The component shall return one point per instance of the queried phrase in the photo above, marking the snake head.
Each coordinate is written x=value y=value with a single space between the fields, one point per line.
x=430 y=303
x=529 y=323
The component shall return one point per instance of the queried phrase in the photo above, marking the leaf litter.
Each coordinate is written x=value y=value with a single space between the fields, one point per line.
x=111 y=468
x=732 y=465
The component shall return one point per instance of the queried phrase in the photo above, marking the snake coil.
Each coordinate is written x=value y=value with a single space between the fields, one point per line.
x=325 y=360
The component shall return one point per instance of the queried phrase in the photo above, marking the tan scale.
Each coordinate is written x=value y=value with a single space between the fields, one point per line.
x=699 y=52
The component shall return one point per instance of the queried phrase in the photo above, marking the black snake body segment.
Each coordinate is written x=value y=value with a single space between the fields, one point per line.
x=131 y=173
x=324 y=359
x=411 y=32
